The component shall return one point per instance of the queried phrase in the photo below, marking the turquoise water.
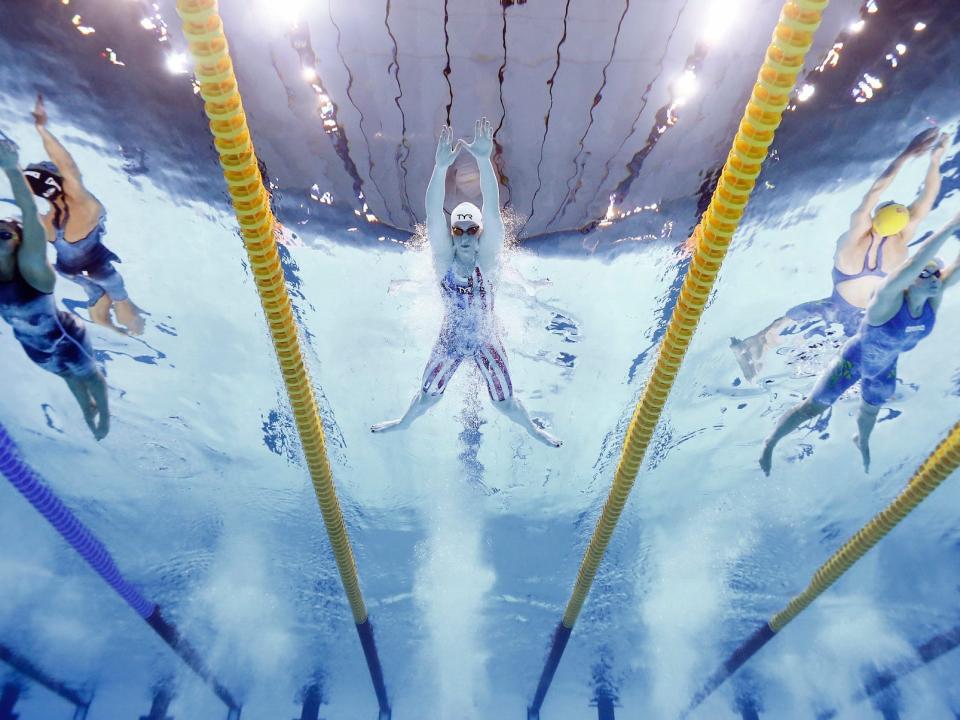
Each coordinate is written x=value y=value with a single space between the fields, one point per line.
x=467 y=534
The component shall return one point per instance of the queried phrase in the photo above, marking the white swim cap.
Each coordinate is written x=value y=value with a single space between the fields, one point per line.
x=465 y=214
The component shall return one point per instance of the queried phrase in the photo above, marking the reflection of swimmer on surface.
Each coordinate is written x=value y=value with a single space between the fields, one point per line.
x=54 y=339
x=76 y=225
x=466 y=257
x=871 y=248
x=900 y=315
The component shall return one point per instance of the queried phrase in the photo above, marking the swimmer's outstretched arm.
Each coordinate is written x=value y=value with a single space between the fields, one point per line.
x=491 y=241
x=438 y=232
x=73 y=185
x=861 y=219
x=951 y=275
x=32 y=253
x=920 y=208
x=889 y=295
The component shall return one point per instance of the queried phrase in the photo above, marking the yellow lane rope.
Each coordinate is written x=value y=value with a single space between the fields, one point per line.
x=784 y=60
x=934 y=470
x=218 y=87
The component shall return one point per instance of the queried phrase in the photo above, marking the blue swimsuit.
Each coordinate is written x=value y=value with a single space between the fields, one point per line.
x=871 y=355
x=89 y=263
x=52 y=338
x=836 y=309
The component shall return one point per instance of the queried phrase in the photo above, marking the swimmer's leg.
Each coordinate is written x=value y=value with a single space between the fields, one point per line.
x=421 y=402
x=514 y=409
x=87 y=405
x=866 y=420
x=130 y=316
x=875 y=390
x=793 y=419
x=836 y=378
x=491 y=360
x=111 y=284
x=100 y=313
x=443 y=362
x=97 y=301
x=97 y=388
x=749 y=352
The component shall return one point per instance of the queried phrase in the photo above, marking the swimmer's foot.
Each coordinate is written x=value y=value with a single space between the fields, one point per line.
x=90 y=415
x=97 y=421
x=864 y=448
x=746 y=358
x=129 y=315
x=766 y=458
x=543 y=436
x=386 y=426
x=100 y=313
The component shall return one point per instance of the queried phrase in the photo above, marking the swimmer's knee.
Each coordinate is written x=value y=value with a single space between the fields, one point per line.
x=428 y=397
x=812 y=407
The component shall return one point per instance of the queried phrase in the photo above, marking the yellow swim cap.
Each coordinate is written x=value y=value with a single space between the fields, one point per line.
x=890 y=218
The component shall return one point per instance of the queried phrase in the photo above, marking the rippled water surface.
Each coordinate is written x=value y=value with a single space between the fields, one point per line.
x=612 y=120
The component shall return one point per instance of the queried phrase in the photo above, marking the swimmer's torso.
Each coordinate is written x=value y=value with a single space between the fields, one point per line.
x=881 y=344
x=468 y=308
x=859 y=270
x=32 y=314
x=81 y=220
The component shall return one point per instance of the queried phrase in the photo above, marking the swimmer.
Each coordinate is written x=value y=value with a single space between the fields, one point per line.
x=466 y=257
x=76 y=225
x=901 y=314
x=875 y=243
x=54 y=339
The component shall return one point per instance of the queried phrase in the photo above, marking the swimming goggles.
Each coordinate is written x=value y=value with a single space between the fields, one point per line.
x=6 y=235
x=458 y=231
x=928 y=273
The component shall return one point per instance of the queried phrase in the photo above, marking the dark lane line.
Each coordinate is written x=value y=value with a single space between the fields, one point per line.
x=499 y=161
x=301 y=44
x=597 y=98
x=363 y=132
x=403 y=150
x=446 y=48
x=546 y=120
x=643 y=106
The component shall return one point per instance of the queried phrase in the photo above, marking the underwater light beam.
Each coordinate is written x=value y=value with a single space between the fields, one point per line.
x=685 y=87
x=719 y=18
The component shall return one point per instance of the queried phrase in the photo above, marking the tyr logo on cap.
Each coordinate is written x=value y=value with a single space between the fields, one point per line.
x=464 y=216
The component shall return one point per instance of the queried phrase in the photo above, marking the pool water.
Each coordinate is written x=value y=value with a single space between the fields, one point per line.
x=467 y=533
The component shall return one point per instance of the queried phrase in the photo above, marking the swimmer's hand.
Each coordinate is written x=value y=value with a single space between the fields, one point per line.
x=39 y=112
x=922 y=141
x=9 y=154
x=940 y=147
x=447 y=151
x=482 y=145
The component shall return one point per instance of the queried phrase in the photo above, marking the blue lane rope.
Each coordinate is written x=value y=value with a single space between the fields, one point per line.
x=26 y=668
x=29 y=484
x=43 y=499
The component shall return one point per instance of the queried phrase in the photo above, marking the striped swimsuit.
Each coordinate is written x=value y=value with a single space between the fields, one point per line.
x=468 y=330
